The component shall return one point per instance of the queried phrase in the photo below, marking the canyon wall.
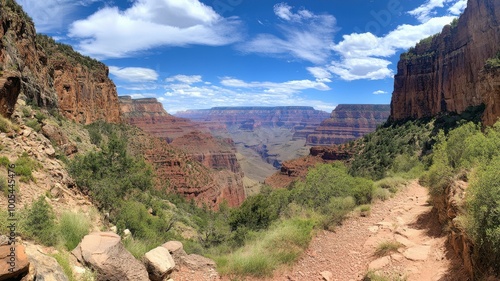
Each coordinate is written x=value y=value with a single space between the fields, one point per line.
x=249 y=118
x=446 y=72
x=221 y=177
x=348 y=122
x=49 y=74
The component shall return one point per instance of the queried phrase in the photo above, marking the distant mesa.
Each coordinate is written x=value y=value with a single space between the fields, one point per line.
x=348 y=122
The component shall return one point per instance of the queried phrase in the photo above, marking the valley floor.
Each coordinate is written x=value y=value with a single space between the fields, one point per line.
x=349 y=252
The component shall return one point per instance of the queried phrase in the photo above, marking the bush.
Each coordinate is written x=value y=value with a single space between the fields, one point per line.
x=484 y=211
x=6 y=125
x=24 y=167
x=33 y=124
x=73 y=227
x=4 y=161
x=40 y=223
x=4 y=187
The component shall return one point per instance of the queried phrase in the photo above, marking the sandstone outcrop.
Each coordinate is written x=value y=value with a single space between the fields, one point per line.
x=49 y=74
x=104 y=252
x=446 y=73
x=45 y=267
x=13 y=261
x=348 y=122
x=149 y=115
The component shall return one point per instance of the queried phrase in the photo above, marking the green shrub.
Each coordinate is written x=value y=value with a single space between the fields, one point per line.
x=33 y=124
x=392 y=184
x=40 y=223
x=4 y=161
x=5 y=125
x=26 y=111
x=139 y=247
x=73 y=227
x=24 y=167
x=484 y=211
x=4 y=187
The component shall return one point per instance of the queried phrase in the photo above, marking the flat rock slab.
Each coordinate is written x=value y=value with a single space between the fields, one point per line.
x=417 y=253
x=379 y=263
x=15 y=260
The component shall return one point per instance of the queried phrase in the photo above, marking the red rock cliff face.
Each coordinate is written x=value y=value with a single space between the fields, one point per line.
x=249 y=118
x=149 y=115
x=51 y=75
x=222 y=178
x=446 y=73
x=349 y=122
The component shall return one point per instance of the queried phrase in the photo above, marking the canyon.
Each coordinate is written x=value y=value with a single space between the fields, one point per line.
x=446 y=72
x=348 y=122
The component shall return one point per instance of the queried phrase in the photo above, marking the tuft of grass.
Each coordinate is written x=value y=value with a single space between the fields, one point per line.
x=4 y=187
x=4 y=161
x=6 y=125
x=63 y=260
x=281 y=244
x=138 y=247
x=387 y=247
x=393 y=184
x=375 y=276
x=73 y=227
x=381 y=193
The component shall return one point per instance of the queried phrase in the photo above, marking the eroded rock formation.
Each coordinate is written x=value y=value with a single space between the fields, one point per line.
x=249 y=118
x=49 y=74
x=349 y=122
x=446 y=73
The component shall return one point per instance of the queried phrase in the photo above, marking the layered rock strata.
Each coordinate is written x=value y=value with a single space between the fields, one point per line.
x=348 y=122
x=446 y=72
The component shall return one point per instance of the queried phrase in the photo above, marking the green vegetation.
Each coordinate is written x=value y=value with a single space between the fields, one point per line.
x=375 y=276
x=63 y=260
x=24 y=167
x=387 y=247
x=73 y=227
x=53 y=48
x=34 y=124
x=493 y=63
x=4 y=161
x=4 y=187
x=14 y=7
x=6 y=125
x=40 y=224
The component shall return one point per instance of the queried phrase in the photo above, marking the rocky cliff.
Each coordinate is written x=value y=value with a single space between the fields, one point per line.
x=349 y=122
x=249 y=118
x=446 y=72
x=149 y=115
x=222 y=177
x=49 y=74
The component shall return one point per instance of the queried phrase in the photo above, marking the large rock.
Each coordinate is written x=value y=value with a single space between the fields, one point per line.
x=13 y=261
x=159 y=263
x=104 y=252
x=176 y=250
x=58 y=137
x=446 y=73
x=45 y=266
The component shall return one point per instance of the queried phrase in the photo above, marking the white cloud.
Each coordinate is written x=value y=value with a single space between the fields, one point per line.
x=458 y=7
x=304 y=36
x=236 y=92
x=321 y=74
x=380 y=92
x=152 y=23
x=134 y=74
x=365 y=56
x=50 y=15
x=187 y=79
x=427 y=11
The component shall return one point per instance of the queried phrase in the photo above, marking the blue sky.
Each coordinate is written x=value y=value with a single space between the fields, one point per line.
x=194 y=54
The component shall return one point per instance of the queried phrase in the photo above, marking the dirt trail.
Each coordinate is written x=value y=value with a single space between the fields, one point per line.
x=348 y=253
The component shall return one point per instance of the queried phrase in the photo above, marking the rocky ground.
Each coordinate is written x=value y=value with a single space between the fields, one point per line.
x=349 y=252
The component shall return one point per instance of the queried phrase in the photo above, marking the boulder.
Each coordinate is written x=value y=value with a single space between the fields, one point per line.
x=45 y=266
x=197 y=262
x=159 y=263
x=176 y=250
x=104 y=252
x=13 y=261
